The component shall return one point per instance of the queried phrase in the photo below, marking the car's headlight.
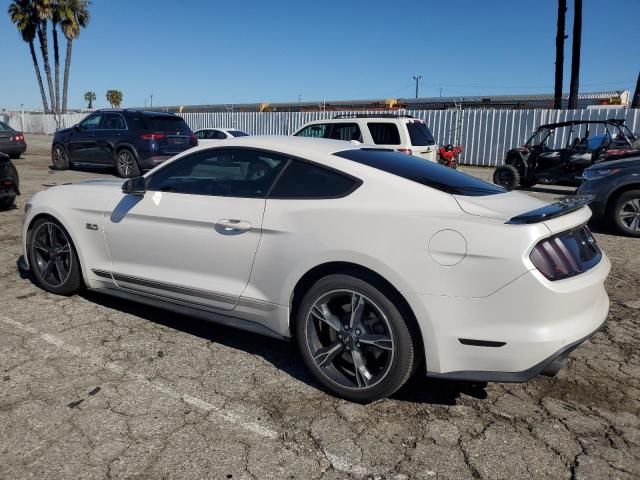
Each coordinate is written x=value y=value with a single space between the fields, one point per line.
x=599 y=173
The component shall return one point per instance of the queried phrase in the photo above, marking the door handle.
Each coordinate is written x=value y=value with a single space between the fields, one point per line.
x=232 y=226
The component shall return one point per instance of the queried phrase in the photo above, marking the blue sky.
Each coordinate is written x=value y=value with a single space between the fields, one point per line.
x=204 y=51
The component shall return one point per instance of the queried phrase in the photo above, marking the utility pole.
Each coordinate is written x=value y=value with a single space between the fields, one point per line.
x=635 y=102
x=299 y=98
x=417 y=78
x=575 y=54
x=151 y=100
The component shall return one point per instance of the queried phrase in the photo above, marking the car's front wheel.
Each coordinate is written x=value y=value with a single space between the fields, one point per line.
x=53 y=258
x=626 y=213
x=354 y=339
x=7 y=202
x=60 y=158
x=506 y=176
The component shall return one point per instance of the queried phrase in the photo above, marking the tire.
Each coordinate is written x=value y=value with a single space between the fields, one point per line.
x=54 y=263
x=625 y=214
x=60 y=157
x=126 y=164
x=7 y=203
x=14 y=156
x=506 y=176
x=381 y=341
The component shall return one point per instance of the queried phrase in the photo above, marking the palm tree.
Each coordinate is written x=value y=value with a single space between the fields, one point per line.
x=74 y=15
x=114 y=97
x=560 y=37
x=575 y=54
x=43 y=11
x=90 y=97
x=23 y=15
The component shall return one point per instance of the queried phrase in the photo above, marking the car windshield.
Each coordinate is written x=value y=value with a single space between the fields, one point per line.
x=420 y=134
x=164 y=123
x=539 y=137
x=237 y=133
x=422 y=171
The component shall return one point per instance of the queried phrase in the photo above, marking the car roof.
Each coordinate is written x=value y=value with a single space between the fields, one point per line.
x=286 y=144
x=611 y=121
x=220 y=129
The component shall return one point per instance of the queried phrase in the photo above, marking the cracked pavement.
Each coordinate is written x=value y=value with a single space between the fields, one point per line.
x=95 y=387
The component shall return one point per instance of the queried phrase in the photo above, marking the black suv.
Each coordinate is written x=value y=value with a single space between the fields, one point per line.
x=129 y=140
x=615 y=187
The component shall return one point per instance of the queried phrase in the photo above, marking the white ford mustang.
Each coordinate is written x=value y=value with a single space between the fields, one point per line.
x=378 y=263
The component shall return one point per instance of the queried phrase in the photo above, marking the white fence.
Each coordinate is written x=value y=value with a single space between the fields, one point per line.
x=485 y=134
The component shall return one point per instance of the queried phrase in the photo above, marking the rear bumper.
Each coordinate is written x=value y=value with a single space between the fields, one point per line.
x=525 y=328
x=13 y=148
x=549 y=367
x=152 y=161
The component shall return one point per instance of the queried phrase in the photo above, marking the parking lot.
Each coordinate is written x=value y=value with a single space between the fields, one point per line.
x=94 y=387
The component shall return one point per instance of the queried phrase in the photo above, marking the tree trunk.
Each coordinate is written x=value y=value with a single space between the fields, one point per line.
x=575 y=54
x=34 y=57
x=42 y=36
x=635 y=103
x=67 y=66
x=56 y=63
x=560 y=36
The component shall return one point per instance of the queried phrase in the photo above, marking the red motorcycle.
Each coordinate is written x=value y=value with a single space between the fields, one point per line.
x=448 y=155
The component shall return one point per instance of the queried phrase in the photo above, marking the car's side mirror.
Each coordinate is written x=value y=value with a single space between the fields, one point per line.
x=76 y=128
x=135 y=186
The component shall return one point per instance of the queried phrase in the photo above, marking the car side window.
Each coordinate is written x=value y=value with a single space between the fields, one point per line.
x=4 y=127
x=304 y=180
x=345 y=131
x=113 y=121
x=91 y=123
x=384 y=133
x=314 y=131
x=220 y=172
x=219 y=135
x=201 y=134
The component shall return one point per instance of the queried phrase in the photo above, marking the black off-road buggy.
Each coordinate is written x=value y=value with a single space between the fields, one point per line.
x=557 y=153
x=9 y=183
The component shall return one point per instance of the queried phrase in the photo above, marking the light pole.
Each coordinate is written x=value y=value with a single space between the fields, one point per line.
x=417 y=78
x=151 y=100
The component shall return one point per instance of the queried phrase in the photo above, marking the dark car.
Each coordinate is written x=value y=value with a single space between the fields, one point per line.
x=616 y=190
x=129 y=140
x=9 y=182
x=11 y=141
x=539 y=162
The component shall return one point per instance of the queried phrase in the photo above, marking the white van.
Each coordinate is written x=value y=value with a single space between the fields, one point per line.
x=403 y=133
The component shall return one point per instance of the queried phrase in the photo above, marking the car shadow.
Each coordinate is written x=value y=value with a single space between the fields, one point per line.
x=281 y=354
x=104 y=169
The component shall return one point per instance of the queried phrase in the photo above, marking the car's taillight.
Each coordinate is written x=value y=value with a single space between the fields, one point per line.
x=194 y=140
x=408 y=151
x=566 y=254
x=153 y=136
x=18 y=138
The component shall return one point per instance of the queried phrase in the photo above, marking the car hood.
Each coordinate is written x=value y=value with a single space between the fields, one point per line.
x=623 y=163
x=502 y=206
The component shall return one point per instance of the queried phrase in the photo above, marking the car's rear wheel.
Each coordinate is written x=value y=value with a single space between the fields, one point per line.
x=14 y=156
x=506 y=176
x=60 y=158
x=626 y=213
x=126 y=164
x=53 y=258
x=353 y=338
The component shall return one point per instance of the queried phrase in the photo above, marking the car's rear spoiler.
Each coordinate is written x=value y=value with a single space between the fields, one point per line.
x=563 y=206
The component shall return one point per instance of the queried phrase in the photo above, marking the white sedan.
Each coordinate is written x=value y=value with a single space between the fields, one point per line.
x=218 y=133
x=379 y=264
